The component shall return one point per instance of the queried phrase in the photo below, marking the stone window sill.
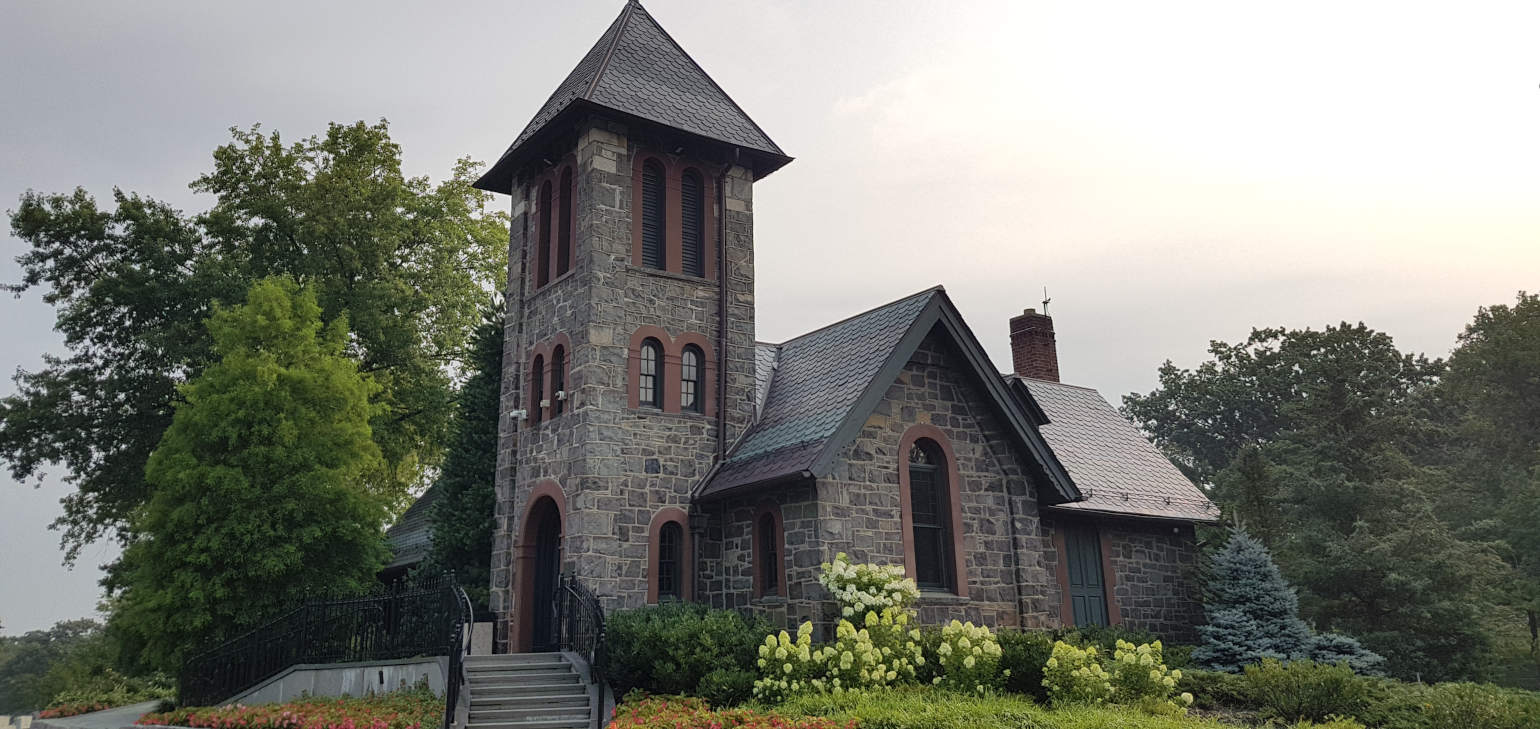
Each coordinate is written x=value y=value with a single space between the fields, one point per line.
x=550 y=284
x=769 y=601
x=942 y=597
x=687 y=278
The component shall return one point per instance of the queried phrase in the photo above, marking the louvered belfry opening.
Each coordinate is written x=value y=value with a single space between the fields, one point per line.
x=652 y=215
x=543 y=237
x=692 y=220
x=564 y=224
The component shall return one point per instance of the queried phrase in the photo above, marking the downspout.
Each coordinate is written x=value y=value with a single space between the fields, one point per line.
x=722 y=312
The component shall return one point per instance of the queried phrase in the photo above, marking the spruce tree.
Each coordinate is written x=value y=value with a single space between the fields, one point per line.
x=1253 y=613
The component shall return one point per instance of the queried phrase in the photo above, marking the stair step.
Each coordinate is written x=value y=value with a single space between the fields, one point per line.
x=519 y=691
x=538 y=712
x=514 y=658
x=515 y=666
x=521 y=676
x=518 y=702
x=564 y=723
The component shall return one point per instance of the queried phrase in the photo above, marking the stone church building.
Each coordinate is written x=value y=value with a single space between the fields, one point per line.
x=651 y=446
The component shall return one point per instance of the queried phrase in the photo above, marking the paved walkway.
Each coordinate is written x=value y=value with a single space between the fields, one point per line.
x=123 y=716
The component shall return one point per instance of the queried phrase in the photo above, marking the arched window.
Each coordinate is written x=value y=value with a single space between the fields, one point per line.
x=769 y=557
x=671 y=562
x=543 y=236
x=564 y=224
x=536 y=389
x=558 y=380
x=691 y=377
x=653 y=223
x=650 y=384
x=692 y=223
x=929 y=508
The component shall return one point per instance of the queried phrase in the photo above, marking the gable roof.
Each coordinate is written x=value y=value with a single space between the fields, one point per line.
x=822 y=386
x=411 y=536
x=638 y=71
x=1117 y=469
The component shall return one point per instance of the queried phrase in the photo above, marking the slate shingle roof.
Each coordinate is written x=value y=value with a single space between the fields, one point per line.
x=1117 y=469
x=810 y=385
x=637 y=69
x=411 y=536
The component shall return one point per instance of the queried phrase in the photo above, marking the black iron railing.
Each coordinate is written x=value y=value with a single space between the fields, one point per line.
x=580 y=624
x=405 y=620
x=460 y=647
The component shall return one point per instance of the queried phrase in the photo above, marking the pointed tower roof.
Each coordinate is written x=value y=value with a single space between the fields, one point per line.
x=638 y=72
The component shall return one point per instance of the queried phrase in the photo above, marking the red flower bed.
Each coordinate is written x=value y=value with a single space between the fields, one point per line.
x=677 y=712
x=63 y=710
x=412 y=709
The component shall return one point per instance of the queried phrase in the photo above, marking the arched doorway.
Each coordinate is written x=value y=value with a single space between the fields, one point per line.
x=538 y=557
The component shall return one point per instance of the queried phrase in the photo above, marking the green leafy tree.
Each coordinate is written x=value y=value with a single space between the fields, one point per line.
x=1318 y=437
x=407 y=261
x=260 y=490
x=464 y=514
x=1493 y=465
x=31 y=663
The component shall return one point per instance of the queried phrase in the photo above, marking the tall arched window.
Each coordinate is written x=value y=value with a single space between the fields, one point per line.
x=650 y=384
x=692 y=223
x=671 y=562
x=691 y=377
x=564 y=224
x=929 y=507
x=654 y=232
x=769 y=557
x=558 y=380
x=536 y=389
x=543 y=236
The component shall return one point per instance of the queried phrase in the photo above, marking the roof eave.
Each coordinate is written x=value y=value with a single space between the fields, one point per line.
x=1082 y=508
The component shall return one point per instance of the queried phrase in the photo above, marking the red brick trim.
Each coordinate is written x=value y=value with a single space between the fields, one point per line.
x=670 y=199
x=540 y=356
x=954 y=490
x=708 y=222
x=674 y=370
x=634 y=367
x=570 y=192
x=545 y=202
x=686 y=567
x=1109 y=579
x=540 y=493
x=565 y=343
x=1061 y=573
x=774 y=511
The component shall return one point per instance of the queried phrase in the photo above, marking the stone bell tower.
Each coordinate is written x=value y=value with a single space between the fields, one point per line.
x=629 y=356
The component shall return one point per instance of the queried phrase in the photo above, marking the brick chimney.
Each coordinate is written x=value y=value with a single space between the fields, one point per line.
x=1032 y=347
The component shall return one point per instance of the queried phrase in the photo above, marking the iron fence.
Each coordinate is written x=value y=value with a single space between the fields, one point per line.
x=404 y=620
x=580 y=624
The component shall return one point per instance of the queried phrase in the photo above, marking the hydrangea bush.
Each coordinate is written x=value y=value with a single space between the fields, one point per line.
x=969 y=658
x=874 y=646
x=1133 y=674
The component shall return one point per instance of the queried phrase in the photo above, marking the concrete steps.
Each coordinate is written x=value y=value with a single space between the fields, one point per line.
x=527 y=691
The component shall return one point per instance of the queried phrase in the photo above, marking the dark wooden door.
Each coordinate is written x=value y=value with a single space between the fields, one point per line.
x=1087 y=586
x=547 y=574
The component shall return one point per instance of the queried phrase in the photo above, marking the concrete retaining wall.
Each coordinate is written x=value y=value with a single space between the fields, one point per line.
x=347 y=679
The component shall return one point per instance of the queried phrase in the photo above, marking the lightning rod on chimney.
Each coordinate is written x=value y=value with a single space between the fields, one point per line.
x=1045 y=301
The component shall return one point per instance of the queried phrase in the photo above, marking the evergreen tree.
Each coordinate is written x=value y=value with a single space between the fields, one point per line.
x=260 y=492
x=464 y=515
x=1253 y=613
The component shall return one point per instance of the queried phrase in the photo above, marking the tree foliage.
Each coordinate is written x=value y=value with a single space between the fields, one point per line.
x=407 y=261
x=260 y=484
x=464 y=514
x=1320 y=440
x=38 y=664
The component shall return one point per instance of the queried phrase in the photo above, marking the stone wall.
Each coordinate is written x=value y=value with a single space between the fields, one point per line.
x=1154 y=578
x=726 y=575
x=859 y=503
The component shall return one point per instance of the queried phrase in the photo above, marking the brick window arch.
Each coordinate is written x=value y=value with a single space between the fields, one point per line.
x=769 y=551
x=930 y=510
x=543 y=235
x=536 y=389
x=670 y=569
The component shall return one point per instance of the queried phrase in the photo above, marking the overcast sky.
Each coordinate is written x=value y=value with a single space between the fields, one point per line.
x=1172 y=172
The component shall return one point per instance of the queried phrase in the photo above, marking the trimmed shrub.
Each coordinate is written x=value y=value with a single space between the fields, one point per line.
x=1140 y=676
x=671 y=648
x=1338 y=648
x=726 y=686
x=1075 y=676
x=1023 y=654
x=1306 y=690
x=1214 y=689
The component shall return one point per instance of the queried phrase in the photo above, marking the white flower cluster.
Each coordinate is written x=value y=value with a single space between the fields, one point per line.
x=1137 y=675
x=862 y=588
x=970 y=658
